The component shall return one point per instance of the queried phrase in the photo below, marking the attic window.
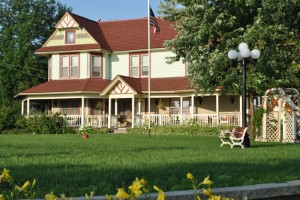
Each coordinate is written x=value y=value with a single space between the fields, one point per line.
x=70 y=37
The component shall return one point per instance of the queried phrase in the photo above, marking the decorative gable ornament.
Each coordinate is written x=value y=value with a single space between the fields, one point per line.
x=67 y=22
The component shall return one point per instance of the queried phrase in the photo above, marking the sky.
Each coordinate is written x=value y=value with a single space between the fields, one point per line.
x=111 y=9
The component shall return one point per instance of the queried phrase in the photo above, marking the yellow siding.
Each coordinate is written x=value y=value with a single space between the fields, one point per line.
x=58 y=38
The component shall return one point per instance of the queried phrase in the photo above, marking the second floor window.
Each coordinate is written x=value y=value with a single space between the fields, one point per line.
x=96 y=66
x=139 y=65
x=69 y=66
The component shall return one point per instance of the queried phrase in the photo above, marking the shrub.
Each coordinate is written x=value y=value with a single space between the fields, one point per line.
x=9 y=113
x=180 y=130
x=42 y=124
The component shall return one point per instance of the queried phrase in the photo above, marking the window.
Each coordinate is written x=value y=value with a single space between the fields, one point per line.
x=69 y=66
x=139 y=65
x=96 y=66
x=70 y=37
x=71 y=107
x=186 y=106
x=175 y=106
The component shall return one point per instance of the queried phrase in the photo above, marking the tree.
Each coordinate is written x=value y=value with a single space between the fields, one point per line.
x=24 y=26
x=208 y=29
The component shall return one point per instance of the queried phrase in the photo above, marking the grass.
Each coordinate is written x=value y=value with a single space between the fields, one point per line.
x=75 y=166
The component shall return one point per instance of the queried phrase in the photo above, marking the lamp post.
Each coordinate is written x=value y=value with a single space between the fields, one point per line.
x=242 y=55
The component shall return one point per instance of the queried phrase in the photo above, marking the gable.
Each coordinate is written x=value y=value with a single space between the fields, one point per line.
x=122 y=88
x=65 y=24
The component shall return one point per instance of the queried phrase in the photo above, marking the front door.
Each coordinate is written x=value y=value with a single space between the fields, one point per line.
x=124 y=113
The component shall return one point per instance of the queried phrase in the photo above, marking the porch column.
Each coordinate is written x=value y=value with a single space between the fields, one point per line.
x=52 y=106
x=132 y=113
x=139 y=106
x=109 y=112
x=28 y=104
x=241 y=108
x=82 y=112
x=116 y=107
x=193 y=105
x=181 y=109
x=217 y=108
x=22 y=109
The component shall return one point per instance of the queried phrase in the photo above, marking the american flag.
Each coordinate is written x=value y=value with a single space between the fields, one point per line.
x=153 y=22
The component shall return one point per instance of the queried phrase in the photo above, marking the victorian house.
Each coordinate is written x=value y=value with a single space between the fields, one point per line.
x=98 y=76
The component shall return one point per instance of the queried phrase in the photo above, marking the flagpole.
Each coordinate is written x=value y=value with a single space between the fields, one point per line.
x=149 y=69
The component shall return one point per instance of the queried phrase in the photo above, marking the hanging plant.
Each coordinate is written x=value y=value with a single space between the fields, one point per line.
x=160 y=105
x=99 y=105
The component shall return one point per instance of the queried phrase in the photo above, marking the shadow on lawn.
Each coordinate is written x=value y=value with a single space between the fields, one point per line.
x=76 y=180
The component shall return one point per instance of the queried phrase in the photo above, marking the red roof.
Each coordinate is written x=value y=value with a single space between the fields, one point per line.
x=119 y=35
x=158 y=84
x=72 y=85
x=140 y=85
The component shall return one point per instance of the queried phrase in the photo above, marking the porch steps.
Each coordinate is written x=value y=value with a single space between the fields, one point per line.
x=120 y=130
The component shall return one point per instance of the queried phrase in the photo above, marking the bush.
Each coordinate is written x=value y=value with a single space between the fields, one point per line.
x=9 y=113
x=180 y=130
x=54 y=124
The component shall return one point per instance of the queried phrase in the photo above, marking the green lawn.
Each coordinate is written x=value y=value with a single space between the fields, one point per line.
x=75 y=166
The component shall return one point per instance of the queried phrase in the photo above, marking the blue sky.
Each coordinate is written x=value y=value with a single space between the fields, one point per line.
x=111 y=9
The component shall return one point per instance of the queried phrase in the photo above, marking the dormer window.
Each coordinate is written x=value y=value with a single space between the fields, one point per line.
x=70 y=37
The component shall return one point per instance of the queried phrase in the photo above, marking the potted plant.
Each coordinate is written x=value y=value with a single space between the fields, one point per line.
x=85 y=131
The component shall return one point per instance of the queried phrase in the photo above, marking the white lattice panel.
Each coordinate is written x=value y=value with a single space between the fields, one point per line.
x=273 y=133
x=288 y=129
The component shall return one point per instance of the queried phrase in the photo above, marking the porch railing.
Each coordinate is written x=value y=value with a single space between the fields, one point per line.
x=226 y=119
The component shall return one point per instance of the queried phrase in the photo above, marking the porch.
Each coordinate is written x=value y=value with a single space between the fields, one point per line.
x=99 y=121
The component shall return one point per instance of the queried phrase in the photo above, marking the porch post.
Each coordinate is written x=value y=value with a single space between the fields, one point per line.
x=217 y=108
x=109 y=112
x=28 y=104
x=132 y=113
x=52 y=104
x=82 y=112
x=116 y=107
x=22 y=109
x=193 y=105
x=181 y=109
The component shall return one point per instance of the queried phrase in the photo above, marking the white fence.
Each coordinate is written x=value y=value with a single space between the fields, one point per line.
x=226 y=119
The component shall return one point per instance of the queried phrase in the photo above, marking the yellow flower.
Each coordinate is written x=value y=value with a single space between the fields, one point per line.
x=216 y=197
x=206 y=181
x=25 y=185
x=207 y=192
x=143 y=181
x=51 y=197
x=122 y=194
x=198 y=198
x=190 y=176
x=135 y=188
x=108 y=197
x=161 y=194
x=5 y=176
x=2 y=197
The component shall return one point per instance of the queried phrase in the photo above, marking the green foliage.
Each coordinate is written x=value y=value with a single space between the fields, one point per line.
x=181 y=130
x=258 y=121
x=207 y=30
x=42 y=124
x=92 y=130
x=24 y=26
x=9 y=114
